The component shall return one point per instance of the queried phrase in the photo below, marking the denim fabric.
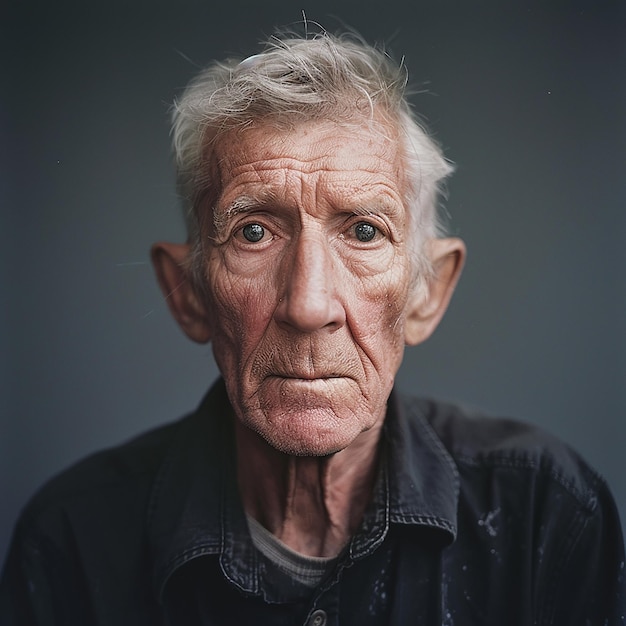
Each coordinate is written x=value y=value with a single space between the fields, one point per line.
x=473 y=520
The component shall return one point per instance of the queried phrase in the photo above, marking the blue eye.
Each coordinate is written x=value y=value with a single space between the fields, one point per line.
x=364 y=231
x=253 y=232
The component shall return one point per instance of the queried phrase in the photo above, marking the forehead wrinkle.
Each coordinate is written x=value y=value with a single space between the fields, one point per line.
x=329 y=162
x=327 y=179
x=378 y=198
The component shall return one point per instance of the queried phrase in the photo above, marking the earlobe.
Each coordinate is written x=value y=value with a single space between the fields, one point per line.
x=425 y=312
x=170 y=262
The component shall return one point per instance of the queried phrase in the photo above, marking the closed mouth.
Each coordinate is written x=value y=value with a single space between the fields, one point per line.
x=307 y=377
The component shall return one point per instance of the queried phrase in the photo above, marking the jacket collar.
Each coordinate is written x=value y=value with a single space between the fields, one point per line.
x=195 y=510
x=423 y=478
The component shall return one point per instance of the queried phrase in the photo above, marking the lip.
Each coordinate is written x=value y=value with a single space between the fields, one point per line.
x=307 y=377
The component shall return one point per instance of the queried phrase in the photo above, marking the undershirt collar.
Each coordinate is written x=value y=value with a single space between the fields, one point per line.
x=308 y=570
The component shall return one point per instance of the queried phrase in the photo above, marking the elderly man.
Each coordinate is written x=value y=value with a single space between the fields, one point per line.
x=304 y=490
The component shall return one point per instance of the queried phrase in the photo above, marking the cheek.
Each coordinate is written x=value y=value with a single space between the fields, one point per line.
x=240 y=307
x=377 y=304
x=377 y=326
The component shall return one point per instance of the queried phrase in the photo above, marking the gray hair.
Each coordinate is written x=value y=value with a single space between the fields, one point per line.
x=338 y=78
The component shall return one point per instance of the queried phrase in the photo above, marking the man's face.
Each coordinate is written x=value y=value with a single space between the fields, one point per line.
x=307 y=270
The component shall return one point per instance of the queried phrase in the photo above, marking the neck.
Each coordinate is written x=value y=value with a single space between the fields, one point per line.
x=312 y=504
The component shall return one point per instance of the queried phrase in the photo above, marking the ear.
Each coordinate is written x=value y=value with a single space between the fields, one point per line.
x=170 y=262
x=426 y=310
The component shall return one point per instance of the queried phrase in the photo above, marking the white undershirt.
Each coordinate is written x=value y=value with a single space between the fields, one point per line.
x=308 y=570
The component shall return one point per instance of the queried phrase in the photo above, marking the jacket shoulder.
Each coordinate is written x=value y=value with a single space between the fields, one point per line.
x=476 y=440
x=527 y=495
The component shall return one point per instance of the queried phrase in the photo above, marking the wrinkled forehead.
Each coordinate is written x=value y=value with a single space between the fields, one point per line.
x=356 y=150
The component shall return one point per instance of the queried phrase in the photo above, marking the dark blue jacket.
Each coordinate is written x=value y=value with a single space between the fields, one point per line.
x=474 y=520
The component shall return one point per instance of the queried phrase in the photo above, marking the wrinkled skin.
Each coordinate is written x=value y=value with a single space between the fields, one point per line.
x=307 y=322
x=305 y=294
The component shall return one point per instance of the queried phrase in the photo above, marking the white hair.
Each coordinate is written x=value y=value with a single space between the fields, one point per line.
x=324 y=77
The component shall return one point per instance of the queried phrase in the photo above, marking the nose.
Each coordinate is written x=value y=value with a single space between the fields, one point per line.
x=310 y=299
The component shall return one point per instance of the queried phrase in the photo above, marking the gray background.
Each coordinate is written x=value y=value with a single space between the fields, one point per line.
x=528 y=100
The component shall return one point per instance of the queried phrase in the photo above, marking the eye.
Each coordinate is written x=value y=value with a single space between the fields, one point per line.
x=364 y=231
x=253 y=232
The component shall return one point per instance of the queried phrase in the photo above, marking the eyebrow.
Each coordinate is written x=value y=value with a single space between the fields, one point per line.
x=247 y=203
x=365 y=204
x=375 y=208
x=242 y=204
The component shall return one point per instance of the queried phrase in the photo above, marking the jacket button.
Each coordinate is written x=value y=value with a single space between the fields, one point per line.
x=318 y=618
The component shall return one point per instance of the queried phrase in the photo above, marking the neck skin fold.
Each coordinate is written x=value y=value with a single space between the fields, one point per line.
x=312 y=504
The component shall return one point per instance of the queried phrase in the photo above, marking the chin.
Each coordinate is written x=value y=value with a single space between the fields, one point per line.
x=306 y=448
x=308 y=433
